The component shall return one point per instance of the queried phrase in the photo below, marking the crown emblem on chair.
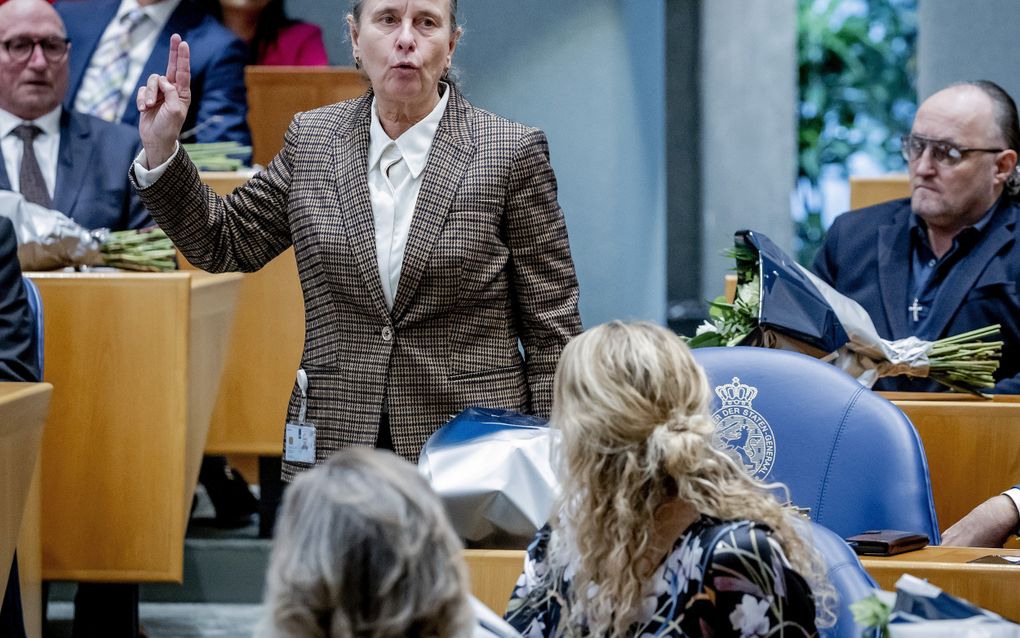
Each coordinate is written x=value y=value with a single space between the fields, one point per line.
x=736 y=393
x=741 y=431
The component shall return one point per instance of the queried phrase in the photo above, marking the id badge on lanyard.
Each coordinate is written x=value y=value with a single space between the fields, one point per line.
x=299 y=443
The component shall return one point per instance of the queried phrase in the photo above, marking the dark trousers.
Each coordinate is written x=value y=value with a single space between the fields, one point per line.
x=384 y=441
x=12 y=623
x=105 y=610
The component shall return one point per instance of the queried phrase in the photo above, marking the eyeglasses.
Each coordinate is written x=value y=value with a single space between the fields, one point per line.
x=20 y=49
x=944 y=153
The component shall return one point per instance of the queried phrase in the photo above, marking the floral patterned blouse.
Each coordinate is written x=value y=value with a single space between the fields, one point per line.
x=743 y=586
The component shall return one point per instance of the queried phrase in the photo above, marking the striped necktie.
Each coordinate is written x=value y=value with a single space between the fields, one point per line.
x=30 y=181
x=112 y=59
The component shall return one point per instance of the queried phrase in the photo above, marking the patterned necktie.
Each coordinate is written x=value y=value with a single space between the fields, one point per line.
x=31 y=182
x=106 y=99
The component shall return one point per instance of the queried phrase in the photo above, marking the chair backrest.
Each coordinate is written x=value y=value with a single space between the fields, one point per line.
x=848 y=578
x=35 y=303
x=846 y=453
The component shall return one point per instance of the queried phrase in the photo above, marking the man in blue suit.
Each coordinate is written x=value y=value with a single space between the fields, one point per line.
x=123 y=42
x=66 y=161
x=947 y=259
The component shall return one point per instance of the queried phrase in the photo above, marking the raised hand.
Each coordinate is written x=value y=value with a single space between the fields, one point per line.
x=163 y=104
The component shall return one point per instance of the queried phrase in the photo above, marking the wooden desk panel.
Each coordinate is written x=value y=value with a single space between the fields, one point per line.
x=135 y=357
x=276 y=93
x=994 y=587
x=23 y=408
x=972 y=447
x=493 y=574
x=264 y=353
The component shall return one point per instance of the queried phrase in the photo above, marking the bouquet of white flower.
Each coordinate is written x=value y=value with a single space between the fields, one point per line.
x=780 y=304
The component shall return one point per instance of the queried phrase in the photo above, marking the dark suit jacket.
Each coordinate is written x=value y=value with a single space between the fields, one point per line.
x=866 y=256
x=18 y=360
x=92 y=185
x=487 y=261
x=219 y=99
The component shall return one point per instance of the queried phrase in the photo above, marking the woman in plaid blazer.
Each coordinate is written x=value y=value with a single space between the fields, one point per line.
x=487 y=294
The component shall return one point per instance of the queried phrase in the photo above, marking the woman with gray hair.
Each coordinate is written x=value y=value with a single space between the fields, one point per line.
x=658 y=532
x=363 y=548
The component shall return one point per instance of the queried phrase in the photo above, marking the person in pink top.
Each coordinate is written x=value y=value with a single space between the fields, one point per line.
x=273 y=38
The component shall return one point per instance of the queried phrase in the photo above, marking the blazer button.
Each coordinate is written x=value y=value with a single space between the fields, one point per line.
x=387 y=333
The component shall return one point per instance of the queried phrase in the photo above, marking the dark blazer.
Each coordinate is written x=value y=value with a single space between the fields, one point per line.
x=219 y=100
x=866 y=256
x=487 y=262
x=18 y=360
x=92 y=185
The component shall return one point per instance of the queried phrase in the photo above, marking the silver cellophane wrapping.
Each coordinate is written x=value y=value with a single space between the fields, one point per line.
x=492 y=470
x=48 y=239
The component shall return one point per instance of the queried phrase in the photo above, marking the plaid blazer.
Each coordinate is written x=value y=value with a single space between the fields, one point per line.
x=487 y=264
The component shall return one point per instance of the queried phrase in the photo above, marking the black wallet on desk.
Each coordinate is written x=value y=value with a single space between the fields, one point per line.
x=886 y=542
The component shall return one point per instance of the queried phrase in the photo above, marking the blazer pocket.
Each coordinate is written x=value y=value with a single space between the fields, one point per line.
x=501 y=371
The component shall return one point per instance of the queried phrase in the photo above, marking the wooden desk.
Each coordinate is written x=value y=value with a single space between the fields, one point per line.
x=868 y=191
x=993 y=587
x=263 y=356
x=972 y=446
x=136 y=359
x=493 y=574
x=23 y=408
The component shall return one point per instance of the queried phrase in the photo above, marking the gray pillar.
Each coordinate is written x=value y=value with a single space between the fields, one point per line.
x=742 y=171
x=967 y=41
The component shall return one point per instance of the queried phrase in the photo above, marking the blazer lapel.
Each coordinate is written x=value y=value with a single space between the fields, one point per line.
x=451 y=151
x=73 y=162
x=964 y=275
x=350 y=152
x=893 y=244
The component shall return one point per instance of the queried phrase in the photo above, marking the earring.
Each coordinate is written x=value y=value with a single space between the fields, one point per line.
x=357 y=63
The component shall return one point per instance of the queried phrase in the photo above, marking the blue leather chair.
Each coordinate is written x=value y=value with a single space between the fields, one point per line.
x=847 y=575
x=35 y=303
x=846 y=453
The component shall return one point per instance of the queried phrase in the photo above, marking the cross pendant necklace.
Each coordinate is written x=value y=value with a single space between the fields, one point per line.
x=915 y=309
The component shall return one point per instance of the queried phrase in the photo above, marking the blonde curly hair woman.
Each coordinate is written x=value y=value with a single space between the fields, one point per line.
x=658 y=532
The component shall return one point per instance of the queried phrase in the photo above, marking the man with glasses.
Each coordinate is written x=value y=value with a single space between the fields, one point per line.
x=946 y=260
x=70 y=162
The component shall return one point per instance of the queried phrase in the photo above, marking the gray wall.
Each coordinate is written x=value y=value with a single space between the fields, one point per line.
x=976 y=39
x=748 y=125
x=589 y=73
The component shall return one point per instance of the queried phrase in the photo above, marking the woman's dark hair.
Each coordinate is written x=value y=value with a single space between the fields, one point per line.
x=271 y=21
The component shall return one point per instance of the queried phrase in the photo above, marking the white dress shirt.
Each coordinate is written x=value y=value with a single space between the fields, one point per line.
x=46 y=146
x=143 y=41
x=394 y=194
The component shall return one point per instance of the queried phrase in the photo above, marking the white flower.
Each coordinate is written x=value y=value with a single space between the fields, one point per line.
x=705 y=327
x=750 y=617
